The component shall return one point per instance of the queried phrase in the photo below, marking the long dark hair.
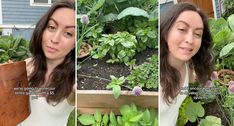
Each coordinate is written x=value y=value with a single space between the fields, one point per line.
x=201 y=62
x=62 y=77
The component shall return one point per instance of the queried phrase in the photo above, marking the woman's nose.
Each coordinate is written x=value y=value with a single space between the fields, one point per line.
x=56 y=37
x=189 y=38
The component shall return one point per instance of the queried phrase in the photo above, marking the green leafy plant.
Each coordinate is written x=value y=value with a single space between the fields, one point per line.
x=130 y=115
x=14 y=49
x=144 y=76
x=120 y=16
x=183 y=119
x=115 y=85
x=71 y=119
x=197 y=111
x=120 y=46
x=222 y=34
x=228 y=7
x=193 y=111
x=210 y=121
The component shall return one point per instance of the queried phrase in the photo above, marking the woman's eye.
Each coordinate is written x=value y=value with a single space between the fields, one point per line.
x=51 y=28
x=68 y=34
x=181 y=29
x=198 y=35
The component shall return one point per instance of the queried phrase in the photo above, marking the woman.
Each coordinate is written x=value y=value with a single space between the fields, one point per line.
x=185 y=51
x=51 y=70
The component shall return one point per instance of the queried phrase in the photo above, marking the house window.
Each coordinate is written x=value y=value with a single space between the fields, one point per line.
x=42 y=2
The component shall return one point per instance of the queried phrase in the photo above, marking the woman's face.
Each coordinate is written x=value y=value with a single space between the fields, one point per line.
x=185 y=36
x=59 y=35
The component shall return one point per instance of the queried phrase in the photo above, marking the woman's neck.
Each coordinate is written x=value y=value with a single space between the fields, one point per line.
x=178 y=64
x=51 y=64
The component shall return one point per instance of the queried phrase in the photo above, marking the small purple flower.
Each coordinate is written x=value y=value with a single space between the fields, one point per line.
x=231 y=87
x=208 y=84
x=214 y=75
x=84 y=19
x=137 y=90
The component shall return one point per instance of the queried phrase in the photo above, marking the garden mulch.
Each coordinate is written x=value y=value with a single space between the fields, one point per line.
x=95 y=74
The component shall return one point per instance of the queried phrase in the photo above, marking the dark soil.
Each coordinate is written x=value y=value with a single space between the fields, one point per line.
x=212 y=109
x=95 y=74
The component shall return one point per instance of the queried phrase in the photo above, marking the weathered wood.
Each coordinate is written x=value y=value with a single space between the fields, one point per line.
x=90 y=100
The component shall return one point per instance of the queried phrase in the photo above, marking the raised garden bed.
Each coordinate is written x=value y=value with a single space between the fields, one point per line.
x=88 y=101
x=93 y=77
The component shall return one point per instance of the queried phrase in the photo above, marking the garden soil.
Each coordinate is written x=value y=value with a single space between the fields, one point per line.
x=95 y=74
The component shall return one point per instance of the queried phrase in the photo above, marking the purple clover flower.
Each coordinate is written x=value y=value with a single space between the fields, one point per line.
x=84 y=19
x=137 y=90
x=208 y=84
x=214 y=75
x=231 y=87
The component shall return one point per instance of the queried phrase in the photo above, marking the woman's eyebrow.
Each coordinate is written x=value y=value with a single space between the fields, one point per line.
x=51 y=19
x=72 y=26
x=181 y=21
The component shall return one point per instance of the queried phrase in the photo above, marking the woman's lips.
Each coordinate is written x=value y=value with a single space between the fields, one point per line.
x=51 y=49
x=186 y=50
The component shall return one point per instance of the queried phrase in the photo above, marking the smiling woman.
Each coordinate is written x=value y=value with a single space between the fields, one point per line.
x=185 y=56
x=51 y=69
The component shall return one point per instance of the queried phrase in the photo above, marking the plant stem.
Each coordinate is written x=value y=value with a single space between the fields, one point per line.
x=218 y=102
x=84 y=60
x=96 y=77
x=126 y=87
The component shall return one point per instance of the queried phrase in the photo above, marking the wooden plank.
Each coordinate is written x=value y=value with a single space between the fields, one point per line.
x=102 y=110
x=89 y=100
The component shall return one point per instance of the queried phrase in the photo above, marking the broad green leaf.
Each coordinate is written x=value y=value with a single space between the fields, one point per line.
x=119 y=1
x=197 y=111
x=133 y=11
x=113 y=77
x=125 y=109
x=86 y=119
x=105 y=119
x=98 y=116
x=121 y=80
x=155 y=122
x=116 y=91
x=226 y=49
x=121 y=54
x=127 y=44
x=119 y=119
x=136 y=118
x=210 y=121
x=222 y=35
x=231 y=22
x=109 y=17
x=95 y=56
x=153 y=15
x=112 y=118
x=218 y=25
x=97 y=6
x=112 y=60
x=146 y=116
x=133 y=107
x=151 y=34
